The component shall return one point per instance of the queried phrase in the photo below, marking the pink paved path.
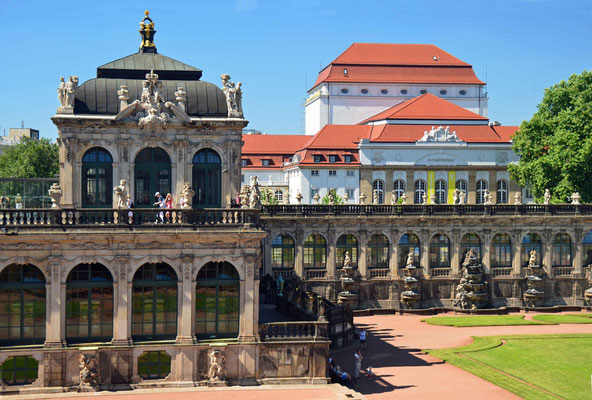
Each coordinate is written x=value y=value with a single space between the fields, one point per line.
x=403 y=372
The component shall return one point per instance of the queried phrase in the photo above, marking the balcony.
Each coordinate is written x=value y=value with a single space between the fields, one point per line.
x=305 y=331
x=379 y=273
x=441 y=272
x=501 y=271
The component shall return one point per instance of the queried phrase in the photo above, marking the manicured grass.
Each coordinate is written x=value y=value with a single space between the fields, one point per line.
x=481 y=320
x=564 y=318
x=559 y=364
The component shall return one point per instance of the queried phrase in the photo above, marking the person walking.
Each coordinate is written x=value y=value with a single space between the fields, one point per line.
x=357 y=365
x=363 y=339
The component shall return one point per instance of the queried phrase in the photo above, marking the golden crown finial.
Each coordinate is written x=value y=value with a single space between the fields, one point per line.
x=147 y=32
x=146 y=13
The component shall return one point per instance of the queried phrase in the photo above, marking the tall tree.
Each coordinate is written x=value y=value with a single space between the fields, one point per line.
x=30 y=159
x=555 y=145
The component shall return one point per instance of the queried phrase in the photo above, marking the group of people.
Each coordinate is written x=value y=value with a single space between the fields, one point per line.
x=163 y=202
x=338 y=375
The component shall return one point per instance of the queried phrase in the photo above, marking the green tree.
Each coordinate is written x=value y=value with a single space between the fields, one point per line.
x=555 y=145
x=336 y=198
x=30 y=159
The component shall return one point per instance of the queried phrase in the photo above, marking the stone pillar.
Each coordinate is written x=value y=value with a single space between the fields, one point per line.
x=122 y=292
x=577 y=251
x=363 y=257
x=299 y=256
x=472 y=188
x=66 y=171
x=249 y=289
x=54 y=336
x=394 y=256
x=547 y=238
x=517 y=258
x=493 y=187
x=425 y=251
x=267 y=254
x=388 y=186
x=116 y=178
x=455 y=259
x=186 y=329
x=410 y=187
x=486 y=234
x=331 y=251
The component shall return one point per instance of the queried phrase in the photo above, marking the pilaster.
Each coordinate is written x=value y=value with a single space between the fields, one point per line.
x=55 y=323
x=362 y=259
x=122 y=289
x=186 y=328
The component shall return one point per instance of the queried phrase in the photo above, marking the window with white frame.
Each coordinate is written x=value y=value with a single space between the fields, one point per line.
x=314 y=172
x=244 y=162
x=502 y=191
x=313 y=192
x=351 y=172
x=265 y=162
x=278 y=195
x=399 y=188
x=332 y=158
x=461 y=185
x=332 y=172
x=317 y=158
x=441 y=191
x=420 y=187
x=350 y=194
x=378 y=188
x=481 y=188
x=527 y=193
x=348 y=158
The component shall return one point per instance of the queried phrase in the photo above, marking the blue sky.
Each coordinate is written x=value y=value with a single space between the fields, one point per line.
x=276 y=48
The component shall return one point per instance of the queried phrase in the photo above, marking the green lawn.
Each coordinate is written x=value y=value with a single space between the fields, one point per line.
x=564 y=318
x=481 y=320
x=559 y=364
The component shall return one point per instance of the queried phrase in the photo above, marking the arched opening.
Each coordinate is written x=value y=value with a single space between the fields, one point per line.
x=89 y=304
x=282 y=255
x=22 y=305
x=501 y=251
x=409 y=242
x=420 y=190
x=502 y=191
x=470 y=241
x=398 y=189
x=315 y=252
x=217 y=304
x=278 y=196
x=440 y=251
x=154 y=302
x=378 y=251
x=152 y=173
x=207 y=179
x=97 y=178
x=441 y=191
x=561 y=252
x=531 y=241
x=481 y=188
x=347 y=243
x=378 y=188
x=587 y=249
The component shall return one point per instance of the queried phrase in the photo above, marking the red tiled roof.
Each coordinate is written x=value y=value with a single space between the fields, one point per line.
x=398 y=63
x=338 y=137
x=466 y=133
x=273 y=144
x=506 y=132
x=426 y=106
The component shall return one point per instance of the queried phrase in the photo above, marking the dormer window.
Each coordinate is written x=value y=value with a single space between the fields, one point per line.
x=345 y=71
x=403 y=91
x=364 y=91
x=317 y=158
x=442 y=92
x=423 y=91
x=332 y=158
x=384 y=91
x=463 y=92
x=348 y=158
x=266 y=162
x=344 y=91
x=244 y=162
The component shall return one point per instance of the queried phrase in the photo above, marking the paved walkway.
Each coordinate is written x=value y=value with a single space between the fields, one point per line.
x=403 y=372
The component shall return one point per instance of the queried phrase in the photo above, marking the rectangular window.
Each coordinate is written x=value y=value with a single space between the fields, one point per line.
x=351 y=173
x=348 y=158
x=244 y=162
x=314 y=172
x=332 y=158
x=332 y=172
x=265 y=163
x=242 y=178
x=350 y=194
x=314 y=192
x=317 y=158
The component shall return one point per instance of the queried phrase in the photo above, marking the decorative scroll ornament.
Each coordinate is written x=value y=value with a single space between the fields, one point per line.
x=152 y=111
x=440 y=134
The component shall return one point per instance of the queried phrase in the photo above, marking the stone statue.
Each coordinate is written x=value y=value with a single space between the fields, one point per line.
x=123 y=94
x=410 y=258
x=487 y=197
x=331 y=196
x=547 y=198
x=424 y=199
x=517 y=198
x=233 y=95
x=362 y=198
x=394 y=197
x=439 y=134
x=347 y=260
x=121 y=193
x=375 y=196
x=181 y=97
x=186 y=196
x=244 y=196
x=18 y=201
x=217 y=371
x=55 y=192
x=299 y=197
x=316 y=197
x=404 y=198
x=532 y=258
x=345 y=197
x=71 y=86
x=462 y=197
x=286 y=198
x=433 y=198
x=89 y=377
x=255 y=194
x=576 y=198
x=455 y=195
x=62 y=92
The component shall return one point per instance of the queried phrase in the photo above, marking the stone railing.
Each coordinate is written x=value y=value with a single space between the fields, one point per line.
x=501 y=271
x=432 y=209
x=292 y=331
x=286 y=273
x=440 y=272
x=562 y=271
x=132 y=217
x=378 y=273
x=315 y=273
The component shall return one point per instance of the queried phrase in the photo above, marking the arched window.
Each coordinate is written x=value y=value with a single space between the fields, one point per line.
x=561 y=254
x=420 y=189
x=501 y=251
x=278 y=195
x=531 y=241
x=282 y=252
x=399 y=188
x=315 y=252
x=207 y=179
x=470 y=241
x=217 y=306
x=378 y=188
x=378 y=251
x=587 y=249
x=97 y=178
x=481 y=188
x=89 y=303
x=152 y=174
x=440 y=251
x=347 y=243
x=154 y=302
x=22 y=305
x=409 y=242
x=441 y=191
x=502 y=191
x=461 y=185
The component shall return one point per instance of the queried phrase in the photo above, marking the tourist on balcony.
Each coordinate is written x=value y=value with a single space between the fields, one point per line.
x=160 y=204
x=129 y=204
x=4 y=202
x=168 y=203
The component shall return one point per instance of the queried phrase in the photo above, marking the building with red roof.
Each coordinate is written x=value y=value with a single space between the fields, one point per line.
x=368 y=78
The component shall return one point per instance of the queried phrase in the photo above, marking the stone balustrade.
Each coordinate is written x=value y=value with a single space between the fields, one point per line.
x=291 y=331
